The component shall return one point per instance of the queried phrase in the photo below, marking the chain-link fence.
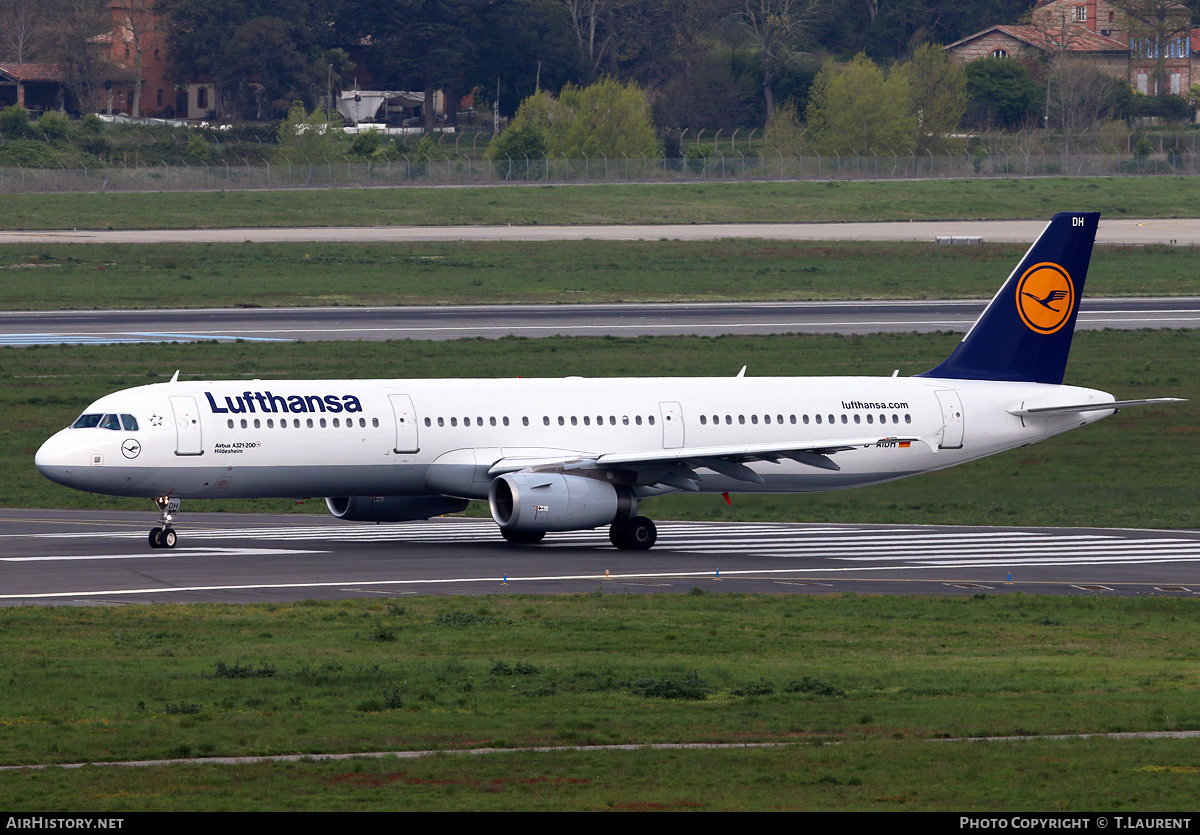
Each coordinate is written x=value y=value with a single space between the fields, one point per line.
x=708 y=165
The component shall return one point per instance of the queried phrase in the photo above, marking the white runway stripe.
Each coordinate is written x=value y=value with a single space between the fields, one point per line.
x=815 y=548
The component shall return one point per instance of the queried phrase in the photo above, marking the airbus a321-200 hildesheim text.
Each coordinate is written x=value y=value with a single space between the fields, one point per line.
x=573 y=454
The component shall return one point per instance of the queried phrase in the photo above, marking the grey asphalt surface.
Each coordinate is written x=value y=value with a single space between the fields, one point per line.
x=493 y=321
x=1182 y=231
x=102 y=558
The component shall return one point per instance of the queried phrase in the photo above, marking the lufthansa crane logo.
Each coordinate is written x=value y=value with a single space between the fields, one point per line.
x=131 y=448
x=1045 y=298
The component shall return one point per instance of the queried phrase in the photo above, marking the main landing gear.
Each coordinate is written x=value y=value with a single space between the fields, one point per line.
x=163 y=535
x=636 y=534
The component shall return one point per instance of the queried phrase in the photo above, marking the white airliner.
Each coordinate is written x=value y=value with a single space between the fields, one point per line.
x=569 y=454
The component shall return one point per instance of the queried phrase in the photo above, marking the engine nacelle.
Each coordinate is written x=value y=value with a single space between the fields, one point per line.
x=531 y=502
x=392 y=508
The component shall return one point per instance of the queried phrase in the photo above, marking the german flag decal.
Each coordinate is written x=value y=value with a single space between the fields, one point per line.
x=1045 y=298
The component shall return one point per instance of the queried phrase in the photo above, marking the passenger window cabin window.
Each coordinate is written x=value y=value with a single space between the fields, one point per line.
x=257 y=425
x=561 y=421
x=270 y=423
x=637 y=419
x=230 y=423
x=818 y=418
x=651 y=419
x=870 y=418
x=243 y=423
x=754 y=419
x=441 y=421
x=703 y=420
x=375 y=421
x=310 y=423
x=322 y=423
x=428 y=422
x=806 y=420
x=858 y=418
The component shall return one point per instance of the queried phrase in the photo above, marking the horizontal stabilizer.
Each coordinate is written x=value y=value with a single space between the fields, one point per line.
x=1048 y=411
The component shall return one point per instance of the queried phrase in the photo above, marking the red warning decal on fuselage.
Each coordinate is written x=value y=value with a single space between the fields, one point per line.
x=1045 y=298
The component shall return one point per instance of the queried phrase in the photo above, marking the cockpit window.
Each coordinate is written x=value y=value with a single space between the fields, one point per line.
x=117 y=422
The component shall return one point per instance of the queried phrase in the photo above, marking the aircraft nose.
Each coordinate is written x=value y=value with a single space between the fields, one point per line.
x=61 y=458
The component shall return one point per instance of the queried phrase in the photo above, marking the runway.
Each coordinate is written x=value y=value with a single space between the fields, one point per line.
x=1182 y=231
x=101 y=558
x=493 y=321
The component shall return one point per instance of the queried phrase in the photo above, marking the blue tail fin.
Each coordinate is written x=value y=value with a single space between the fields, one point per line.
x=1024 y=335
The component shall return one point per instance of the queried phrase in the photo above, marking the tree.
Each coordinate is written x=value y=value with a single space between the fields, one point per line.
x=70 y=44
x=785 y=132
x=18 y=35
x=140 y=32
x=938 y=87
x=603 y=119
x=309 y=138
x=606 y=118
x=776 y=29
x=861 y=109
x=264 y=54
x=1001 y=93
x=1078 y=96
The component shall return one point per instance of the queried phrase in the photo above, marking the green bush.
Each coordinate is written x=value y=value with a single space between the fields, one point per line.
x=14 y=121
x=56 y=127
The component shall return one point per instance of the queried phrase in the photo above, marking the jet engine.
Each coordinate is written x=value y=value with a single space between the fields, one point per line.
x=392 y=508
x=539 y=502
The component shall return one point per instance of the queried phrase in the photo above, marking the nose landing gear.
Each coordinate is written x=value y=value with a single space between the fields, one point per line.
x=163 y=535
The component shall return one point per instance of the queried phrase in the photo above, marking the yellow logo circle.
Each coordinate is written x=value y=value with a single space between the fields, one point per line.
x=1045 y=297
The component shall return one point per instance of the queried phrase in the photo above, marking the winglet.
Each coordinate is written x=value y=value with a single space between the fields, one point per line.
x=1024 y=335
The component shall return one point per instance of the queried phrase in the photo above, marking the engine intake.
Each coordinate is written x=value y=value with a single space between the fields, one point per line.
x=392 y=508
x=531 y=502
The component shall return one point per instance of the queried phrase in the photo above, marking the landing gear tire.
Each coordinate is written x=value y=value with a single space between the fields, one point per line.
x=163 y=538
x=636 y=534
x=523 y=537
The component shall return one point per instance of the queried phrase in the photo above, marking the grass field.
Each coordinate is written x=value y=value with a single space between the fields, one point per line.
x=885 y=677
x=69 y=276
x=757 y=202
x=1135 y=469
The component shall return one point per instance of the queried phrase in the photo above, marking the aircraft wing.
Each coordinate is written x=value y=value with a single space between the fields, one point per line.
x=677 y=467
x=1048 y=411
